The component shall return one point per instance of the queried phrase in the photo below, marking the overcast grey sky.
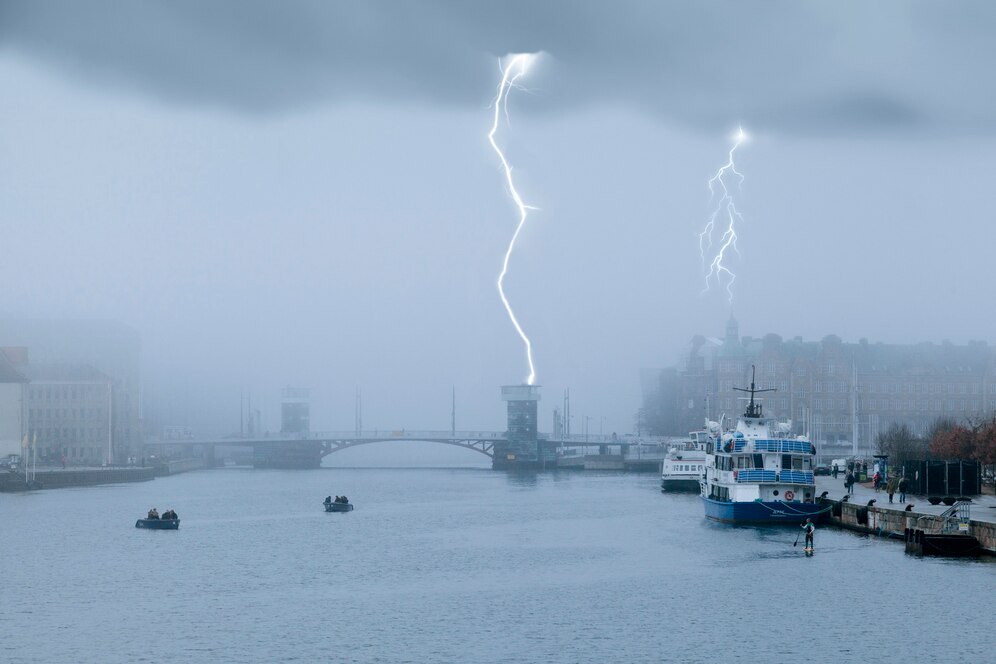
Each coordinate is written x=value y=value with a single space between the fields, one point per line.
x=303 y=193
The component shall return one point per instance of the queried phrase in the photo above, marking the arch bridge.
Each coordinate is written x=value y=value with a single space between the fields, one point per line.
x=306 y=450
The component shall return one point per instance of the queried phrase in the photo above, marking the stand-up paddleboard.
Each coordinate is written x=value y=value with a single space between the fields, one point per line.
x=809 y=550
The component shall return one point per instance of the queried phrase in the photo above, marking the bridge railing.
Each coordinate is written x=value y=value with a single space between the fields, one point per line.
x=405 y=434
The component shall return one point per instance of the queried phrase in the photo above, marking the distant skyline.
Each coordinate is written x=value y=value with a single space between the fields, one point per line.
x=306 y=196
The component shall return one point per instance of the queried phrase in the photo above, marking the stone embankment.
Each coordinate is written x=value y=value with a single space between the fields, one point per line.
x=891 y=519
x=62 y=478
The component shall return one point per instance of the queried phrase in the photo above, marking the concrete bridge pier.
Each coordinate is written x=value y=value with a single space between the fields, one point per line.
x=303 y=454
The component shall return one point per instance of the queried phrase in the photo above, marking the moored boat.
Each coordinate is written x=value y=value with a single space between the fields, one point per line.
x=683 y=467
x=757 y=473
x=158 y=524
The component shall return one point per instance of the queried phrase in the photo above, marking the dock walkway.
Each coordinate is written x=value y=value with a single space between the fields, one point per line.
x=891 y=519
x=983 y=507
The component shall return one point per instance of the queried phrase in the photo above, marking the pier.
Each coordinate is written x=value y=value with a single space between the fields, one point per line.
x=891 y=520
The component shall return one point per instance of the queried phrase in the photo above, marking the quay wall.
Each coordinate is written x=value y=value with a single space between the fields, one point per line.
x=180 y=466
x=58 y=479
x=885 y=522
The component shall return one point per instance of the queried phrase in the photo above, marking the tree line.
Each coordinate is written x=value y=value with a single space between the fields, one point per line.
x=946 y=439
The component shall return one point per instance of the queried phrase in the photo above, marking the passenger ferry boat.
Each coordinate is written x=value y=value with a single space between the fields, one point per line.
x=755 y=474
x=683 y=467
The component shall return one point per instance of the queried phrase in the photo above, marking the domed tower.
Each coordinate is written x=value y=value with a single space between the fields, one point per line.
x=732 y=331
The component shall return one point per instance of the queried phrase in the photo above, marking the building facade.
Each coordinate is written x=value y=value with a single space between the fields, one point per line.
x=12 y=424
x=839 y=393
x=67 y=411
x=108 y=347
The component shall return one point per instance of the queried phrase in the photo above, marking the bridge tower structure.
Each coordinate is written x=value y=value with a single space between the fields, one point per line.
x=295 y=419
x=521 y=447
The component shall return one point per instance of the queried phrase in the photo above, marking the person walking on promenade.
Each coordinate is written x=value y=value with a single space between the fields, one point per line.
x=848 y=481
x=890 y=487
x=903 y=483
x=835 y=471
x=876 y=481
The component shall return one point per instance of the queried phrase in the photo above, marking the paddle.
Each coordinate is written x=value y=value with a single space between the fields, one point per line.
x=796 y=540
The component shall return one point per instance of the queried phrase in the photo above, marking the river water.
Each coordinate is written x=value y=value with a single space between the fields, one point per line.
x=459 y=565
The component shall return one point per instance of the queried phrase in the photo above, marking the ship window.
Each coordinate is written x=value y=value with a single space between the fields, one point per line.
x=796 y=463
x=743 y=462
x=758 y=461
x=775 y=492
x=786 y=461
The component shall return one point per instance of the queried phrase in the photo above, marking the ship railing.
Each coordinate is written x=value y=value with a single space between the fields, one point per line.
x=796 y=476
x=752 y=475
x=783 y=446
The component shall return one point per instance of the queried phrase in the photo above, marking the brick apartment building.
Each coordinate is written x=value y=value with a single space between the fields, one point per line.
x=833 y=390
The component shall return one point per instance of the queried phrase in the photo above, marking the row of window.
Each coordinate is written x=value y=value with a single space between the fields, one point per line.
x=66 y=392
x=65 y=413
x=894 y=405
x=49 y=434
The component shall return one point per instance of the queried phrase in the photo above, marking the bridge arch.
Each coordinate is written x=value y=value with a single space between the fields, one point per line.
x=485 y=447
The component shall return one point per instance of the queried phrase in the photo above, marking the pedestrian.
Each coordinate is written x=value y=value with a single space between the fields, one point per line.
x=890 y=487
x=903 y=483
x=848 y=481
x=835 y=471
x=876 y=479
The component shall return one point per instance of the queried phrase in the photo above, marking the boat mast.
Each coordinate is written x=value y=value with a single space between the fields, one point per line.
x=753 y=409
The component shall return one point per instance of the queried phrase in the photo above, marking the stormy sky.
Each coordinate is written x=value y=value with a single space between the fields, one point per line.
x=302 y=193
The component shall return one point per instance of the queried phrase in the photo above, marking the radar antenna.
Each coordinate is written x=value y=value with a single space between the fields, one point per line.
x=753 y=409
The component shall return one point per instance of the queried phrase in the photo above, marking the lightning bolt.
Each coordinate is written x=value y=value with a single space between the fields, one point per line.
x=510 y=74
x=720 y=192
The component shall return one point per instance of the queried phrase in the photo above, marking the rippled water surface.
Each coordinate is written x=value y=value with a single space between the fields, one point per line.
x=461 y=565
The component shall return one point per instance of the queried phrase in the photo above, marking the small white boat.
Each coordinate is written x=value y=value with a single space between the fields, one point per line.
x=684 y=466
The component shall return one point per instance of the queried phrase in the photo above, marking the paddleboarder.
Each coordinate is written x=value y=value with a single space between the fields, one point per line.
x=810 y=528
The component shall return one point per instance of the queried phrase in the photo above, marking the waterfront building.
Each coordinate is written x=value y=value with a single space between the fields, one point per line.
x=67 y=410
x=111 y=348
x=12 y=384
x=842 y=394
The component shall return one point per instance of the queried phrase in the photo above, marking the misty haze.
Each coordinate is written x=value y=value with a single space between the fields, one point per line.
x=529 y=331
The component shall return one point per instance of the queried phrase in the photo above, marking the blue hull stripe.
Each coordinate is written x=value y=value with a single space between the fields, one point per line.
x=759 y=512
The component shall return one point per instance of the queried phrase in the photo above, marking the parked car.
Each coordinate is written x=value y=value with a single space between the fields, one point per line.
x=822 y=470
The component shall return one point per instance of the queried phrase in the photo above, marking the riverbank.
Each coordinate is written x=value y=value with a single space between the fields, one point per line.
x=62 y=478
x=885 y=519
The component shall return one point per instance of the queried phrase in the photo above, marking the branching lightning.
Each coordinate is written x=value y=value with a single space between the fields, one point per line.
x=510 y=74
x=721 y=192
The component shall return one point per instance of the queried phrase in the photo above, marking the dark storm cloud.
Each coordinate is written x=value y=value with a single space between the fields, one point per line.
x=801 y=66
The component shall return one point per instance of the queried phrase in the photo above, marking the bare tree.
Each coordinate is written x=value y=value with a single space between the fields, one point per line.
x=899 y=444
